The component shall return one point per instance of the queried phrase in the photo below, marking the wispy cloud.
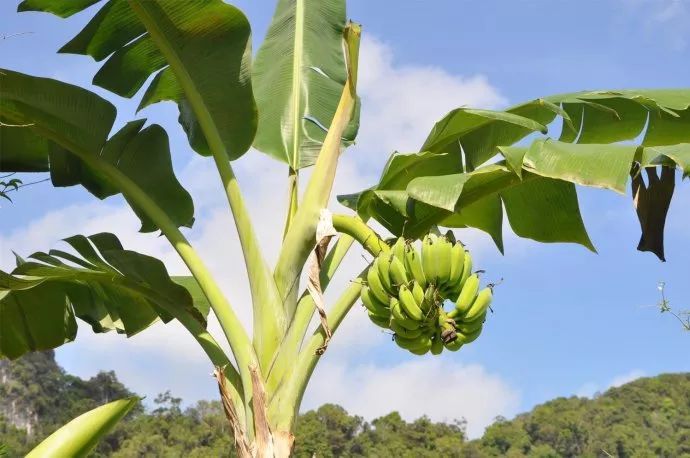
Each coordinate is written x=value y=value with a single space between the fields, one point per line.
x=662 y=19
x=589 y=389
x=441 y=388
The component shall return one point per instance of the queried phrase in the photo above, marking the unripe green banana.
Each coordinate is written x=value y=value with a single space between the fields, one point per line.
x=397 y=272
x=450 y=236
x=413 y=262
x=437 y=344
x=418 y=293
x=400 y=317
x=409 y=305
x=443 y=261
x=417 y=343
x=453 y=314
x=480 y=304
x=380 y=321
x=403 y=332
x=466 y=269
x=419 y=351
x=467 y=338
x=374 y=282
x=429 y=258
x=468 y=327
x=457 y=258
x=454 y=345
x=467 y=295
x=372 y=304
x=398 y=249
x=384 y=267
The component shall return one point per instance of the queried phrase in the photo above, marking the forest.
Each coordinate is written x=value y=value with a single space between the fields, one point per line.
x=649 y=417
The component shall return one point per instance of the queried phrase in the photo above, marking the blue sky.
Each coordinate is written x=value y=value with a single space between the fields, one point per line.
x=567 y=321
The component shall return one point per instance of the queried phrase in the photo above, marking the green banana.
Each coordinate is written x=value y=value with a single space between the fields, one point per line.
x=437 y=344
x=398 y=249
x=466 y=269
x=450 y=236
x=467 y=327
x=403 y=332
x=384 y=268
x=417 y=343
x=379 y=320
x=409 y=305
x=419 y=351
x=374 y=282
x=372 y=304
x=467 y=338
x=480 y=304
x=429 y=258
x=418 y=293
x=399 y=316
x=443 y=260
x=467 y=295
x=454 y=345
x=397 y=272
x=457 y=259
x=413 y=263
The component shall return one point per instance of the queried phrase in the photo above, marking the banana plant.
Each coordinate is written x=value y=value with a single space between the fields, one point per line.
x=295 y=101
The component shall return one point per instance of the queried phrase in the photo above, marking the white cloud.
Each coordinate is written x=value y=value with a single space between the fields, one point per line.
x=46 y=231
x=437 y=387
x=589 y=389
x=626 y=378
x=401 y=103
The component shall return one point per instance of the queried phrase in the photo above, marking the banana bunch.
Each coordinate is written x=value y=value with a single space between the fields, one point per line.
x=406 y=289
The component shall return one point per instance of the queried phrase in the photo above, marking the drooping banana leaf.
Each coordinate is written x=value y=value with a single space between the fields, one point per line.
x=59 y=128
x=201 y=51
x=534 y=183
x=298 y=76
x=81 y=435
x=100 y=283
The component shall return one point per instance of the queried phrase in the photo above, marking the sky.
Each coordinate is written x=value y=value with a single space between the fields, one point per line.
x=566 y=321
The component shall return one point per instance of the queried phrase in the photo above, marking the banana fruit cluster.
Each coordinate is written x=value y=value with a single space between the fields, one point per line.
x=406 y=290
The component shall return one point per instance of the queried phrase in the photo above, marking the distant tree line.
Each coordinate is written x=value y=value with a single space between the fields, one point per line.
x=646 y=418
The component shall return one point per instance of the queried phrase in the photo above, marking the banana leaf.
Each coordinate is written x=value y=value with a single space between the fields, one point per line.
x=81 y=435
x=474 y=164
x=298 y=76
x=101 y=283
x=56 y=127
x=199 y=52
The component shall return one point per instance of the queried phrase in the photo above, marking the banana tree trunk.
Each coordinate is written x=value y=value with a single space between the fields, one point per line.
x=261 y=441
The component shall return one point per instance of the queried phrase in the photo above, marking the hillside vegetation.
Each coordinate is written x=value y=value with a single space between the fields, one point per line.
x=649 y=417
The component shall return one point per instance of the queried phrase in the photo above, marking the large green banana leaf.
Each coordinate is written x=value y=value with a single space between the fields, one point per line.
x=201 y=51
x=50 y=126
x=298 y=76
x=102 y=284
x=449 y=182
x=81 y=435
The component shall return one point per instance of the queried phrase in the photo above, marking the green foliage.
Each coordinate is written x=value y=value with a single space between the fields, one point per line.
x=80 y=436
x=298 y=76
x=203 y=49
x=38 y=393
x=64 y=130
x=471 y=165
x=9 y=185
x=105 y=285
x=646 y=418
